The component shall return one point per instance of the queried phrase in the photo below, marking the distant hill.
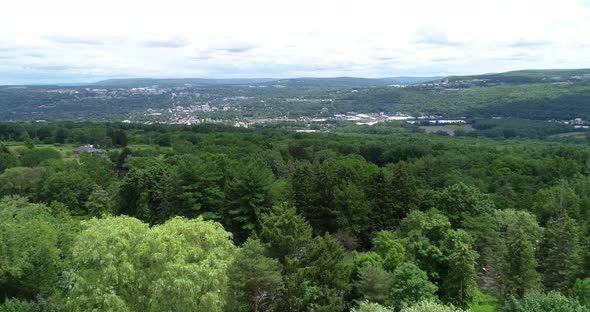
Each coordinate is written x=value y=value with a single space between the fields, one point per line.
x=560 y=94
x=146 y=82
x=531 y=76
x=408 y=79
x=332 y=82
x=348 y=82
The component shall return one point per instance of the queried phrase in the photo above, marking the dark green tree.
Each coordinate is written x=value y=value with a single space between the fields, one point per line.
x=373 y=284
x=285 y=231
x=405 y=192
x=459 y=201
x=255 y=280
x=247 y=197
x=460 y=285
x=146 y=191
x=324 y=267
x=520 y=265
x=560 y=253
x=99 y=203
x=8 y=159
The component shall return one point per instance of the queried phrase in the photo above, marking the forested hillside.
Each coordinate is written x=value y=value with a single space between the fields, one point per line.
x=538 y=95
x=214 y=218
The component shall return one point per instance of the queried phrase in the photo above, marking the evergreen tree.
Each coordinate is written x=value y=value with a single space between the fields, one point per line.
x=312 y=195
x=405 y=192
x=519 y=274
x=560 y=253
x=285 y=231
x=373 y=284
x=255 y=280
x=460 y=284
x=379 y=191
x=246 y=197
x=325 y=268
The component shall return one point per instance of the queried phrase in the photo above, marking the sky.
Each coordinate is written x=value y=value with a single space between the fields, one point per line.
x=83 y=41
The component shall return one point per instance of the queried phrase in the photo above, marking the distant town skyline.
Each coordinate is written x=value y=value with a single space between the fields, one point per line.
x=64 y=41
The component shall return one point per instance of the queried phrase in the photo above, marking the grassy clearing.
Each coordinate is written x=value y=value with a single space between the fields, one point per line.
x=485 y=302
x=580 y=135
x=64 y=149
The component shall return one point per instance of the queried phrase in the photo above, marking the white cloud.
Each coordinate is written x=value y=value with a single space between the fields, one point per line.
x=67 y=39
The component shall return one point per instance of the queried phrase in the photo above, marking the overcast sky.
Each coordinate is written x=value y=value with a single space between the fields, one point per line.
x=77 y=41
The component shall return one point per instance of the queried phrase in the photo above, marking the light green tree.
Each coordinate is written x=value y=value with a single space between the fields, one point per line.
x=388 y=245
x=366 y=306
x=430 y=306
x=410 y=285
x=581 y=291
x=540 y=302
x=30 y=255
x=120 y=264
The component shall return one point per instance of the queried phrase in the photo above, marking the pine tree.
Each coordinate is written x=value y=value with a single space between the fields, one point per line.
x=326 y=270
x=373 y=284
x=519 y=272
x=286 y=232
x=460 y=283
x=246 y=196
x=405 y=193
x=560 y=253
x=379 y=190
x=255 y=280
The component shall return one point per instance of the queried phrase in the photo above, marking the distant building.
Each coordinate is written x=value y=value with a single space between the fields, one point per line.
x=88 y=149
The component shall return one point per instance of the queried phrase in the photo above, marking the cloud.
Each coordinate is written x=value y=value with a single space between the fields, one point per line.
x=430 y=35
x=165 y=43
x=385 y=58
x=236 y=47
x=443 y=59
x=202 y=57
x=73 y=40
x=517 y=57
x=260 y=38
x=35 y=55
x=59 y=68
x=522 y=43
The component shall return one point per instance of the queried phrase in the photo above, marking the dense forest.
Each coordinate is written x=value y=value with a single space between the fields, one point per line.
x=215 y=218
